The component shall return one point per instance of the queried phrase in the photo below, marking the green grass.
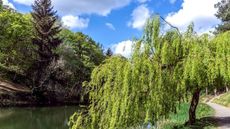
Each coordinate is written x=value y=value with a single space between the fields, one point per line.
x=223 y=99
x=176 y=121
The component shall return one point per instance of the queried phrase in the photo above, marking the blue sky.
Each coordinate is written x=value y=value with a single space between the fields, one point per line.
x=114 y=23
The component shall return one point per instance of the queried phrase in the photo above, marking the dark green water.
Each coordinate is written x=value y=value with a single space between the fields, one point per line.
x=36 y=118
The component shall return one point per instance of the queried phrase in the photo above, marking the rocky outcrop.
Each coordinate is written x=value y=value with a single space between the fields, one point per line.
x=14 y=94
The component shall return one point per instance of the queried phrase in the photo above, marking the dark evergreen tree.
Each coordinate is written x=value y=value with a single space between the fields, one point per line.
x=109 y=52
x=46 y=30
x=223 y=14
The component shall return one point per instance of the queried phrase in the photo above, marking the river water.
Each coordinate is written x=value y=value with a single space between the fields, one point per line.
x=36 y=118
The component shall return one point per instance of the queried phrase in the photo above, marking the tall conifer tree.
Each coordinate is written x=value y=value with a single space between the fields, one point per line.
x=46 y=29
x=109 y=52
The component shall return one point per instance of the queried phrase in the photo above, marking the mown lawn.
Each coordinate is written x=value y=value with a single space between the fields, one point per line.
x=176 y=121
x=223 y=99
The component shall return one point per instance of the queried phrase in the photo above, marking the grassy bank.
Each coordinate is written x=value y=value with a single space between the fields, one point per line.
x=223 y=99
x=176 y=121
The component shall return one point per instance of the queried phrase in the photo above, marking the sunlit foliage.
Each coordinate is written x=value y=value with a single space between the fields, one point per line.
x=162 y=70
x=15 y=40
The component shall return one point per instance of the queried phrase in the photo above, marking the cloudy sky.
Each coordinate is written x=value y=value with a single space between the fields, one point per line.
x=114 y=23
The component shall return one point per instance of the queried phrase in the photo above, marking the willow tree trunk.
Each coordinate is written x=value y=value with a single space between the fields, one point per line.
x=193 y=106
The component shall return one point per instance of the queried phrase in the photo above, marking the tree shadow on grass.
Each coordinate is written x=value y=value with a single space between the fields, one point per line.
x=223 y=121
x=200 y=123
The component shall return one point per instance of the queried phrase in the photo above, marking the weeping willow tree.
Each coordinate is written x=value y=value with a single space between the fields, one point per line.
x=196 y=64
x=139 y=90
x=205 y=66
x=162 y=70
x=221 y=70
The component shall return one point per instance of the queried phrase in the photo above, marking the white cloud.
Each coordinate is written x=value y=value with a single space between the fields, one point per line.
x=75 y=22
x=200 y=12
x=110 y=26
x=78 y=7
x=104 y=7
x=143 y=1
x=172 y=1
x=25 y=2
x=6 y=2
x=123 y=48
x=139 y=17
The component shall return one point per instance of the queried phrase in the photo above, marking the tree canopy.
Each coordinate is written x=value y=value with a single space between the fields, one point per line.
x=81 y=55
x=15 y=41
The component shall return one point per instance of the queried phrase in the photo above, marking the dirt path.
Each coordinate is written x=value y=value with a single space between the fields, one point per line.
x=222 y=115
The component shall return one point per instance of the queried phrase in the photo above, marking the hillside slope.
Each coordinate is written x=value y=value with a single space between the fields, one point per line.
x=223 y=99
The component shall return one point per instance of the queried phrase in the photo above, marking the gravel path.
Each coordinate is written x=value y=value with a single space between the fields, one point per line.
x=222 y=115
